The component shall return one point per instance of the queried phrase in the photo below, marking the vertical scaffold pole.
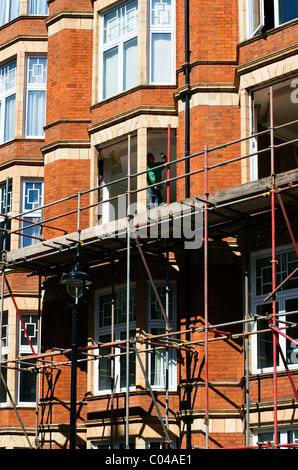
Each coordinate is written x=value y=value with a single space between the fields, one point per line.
x=168 y=167
x=128 y=293
x=167 y=349
x=246 y=339
x=3 y=272
x=273 y=241
x=206 y=296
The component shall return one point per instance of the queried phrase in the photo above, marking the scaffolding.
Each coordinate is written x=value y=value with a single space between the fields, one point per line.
x=226 y=216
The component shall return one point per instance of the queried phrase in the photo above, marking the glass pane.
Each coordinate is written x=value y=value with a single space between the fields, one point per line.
x=30 y=323
x=132 y=364
x=2 y=387
x=159 y=363
x=286 y=263
x=105 y=308
x=155 y=310
x=5 y=202
x=110 y=72
x=38 y=7
x=161 y=58
x=288 y=10
x=291 y=347
x=120 y=21
x=8 y=77
x=9 y=124
x=255 y=15
x=293 y=436
x=27 y=386
x=161 y=13
x=104 y=365
x=32 y=234
x=36 y=113
x=33 y=196
x=13 y=9
x=265 y=339
x=4 y=330
x=265 y=437
x=130 y=64
x=37 y=70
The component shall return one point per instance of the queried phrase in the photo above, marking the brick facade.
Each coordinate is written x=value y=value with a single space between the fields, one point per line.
x=86 y=142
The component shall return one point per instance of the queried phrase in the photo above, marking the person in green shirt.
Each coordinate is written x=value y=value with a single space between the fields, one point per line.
x=154 y=197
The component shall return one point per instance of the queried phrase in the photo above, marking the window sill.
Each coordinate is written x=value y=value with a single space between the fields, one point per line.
x=130 y=91
x=269 y=374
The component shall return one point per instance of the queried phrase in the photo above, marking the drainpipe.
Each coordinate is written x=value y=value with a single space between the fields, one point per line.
x=187 y=195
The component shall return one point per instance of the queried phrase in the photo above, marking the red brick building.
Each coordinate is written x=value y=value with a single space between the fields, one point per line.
x=186 y=334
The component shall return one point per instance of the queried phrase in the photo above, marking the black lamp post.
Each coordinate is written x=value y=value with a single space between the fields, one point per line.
x=76 y=281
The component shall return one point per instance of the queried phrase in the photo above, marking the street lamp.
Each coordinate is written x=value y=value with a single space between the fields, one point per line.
x=76 y=281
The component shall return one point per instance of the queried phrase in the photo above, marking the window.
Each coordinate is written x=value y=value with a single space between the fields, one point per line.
x=111 y=372
x=32 y=200
x=287 y=301
x=5 y=208
x=119 y=49
x=36 y=96
x=284 y=436
x=157 y=361
x=162 y=34
x=38 y=7
x=104 y=444
x=4 y=351
x=7 y=101
x=267 y=14
x=285 y=127
x=9 y=9
x=27 y=379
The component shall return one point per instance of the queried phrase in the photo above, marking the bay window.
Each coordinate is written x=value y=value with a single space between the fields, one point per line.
x=27 y=379
x=119 y=49
x=267 y=14
x=36 y=80
x=110 y=371
x=9 y=9
x=7 y=101
x=32 y=200
x=286 y=307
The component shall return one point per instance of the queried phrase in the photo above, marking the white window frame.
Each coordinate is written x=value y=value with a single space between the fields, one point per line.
x=43 y=5
x=166 y=29
x=282 y=298
x=101 y=331
x=4 y=95
x=160 y=324
x=31 y=87
x=35 y=212
x=249 y=21
x=118 y=42
x=25 y=349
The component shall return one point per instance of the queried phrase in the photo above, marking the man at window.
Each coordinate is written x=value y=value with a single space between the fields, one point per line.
x=154 y=196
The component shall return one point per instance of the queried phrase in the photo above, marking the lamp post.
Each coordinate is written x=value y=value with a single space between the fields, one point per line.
x=76 y=281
